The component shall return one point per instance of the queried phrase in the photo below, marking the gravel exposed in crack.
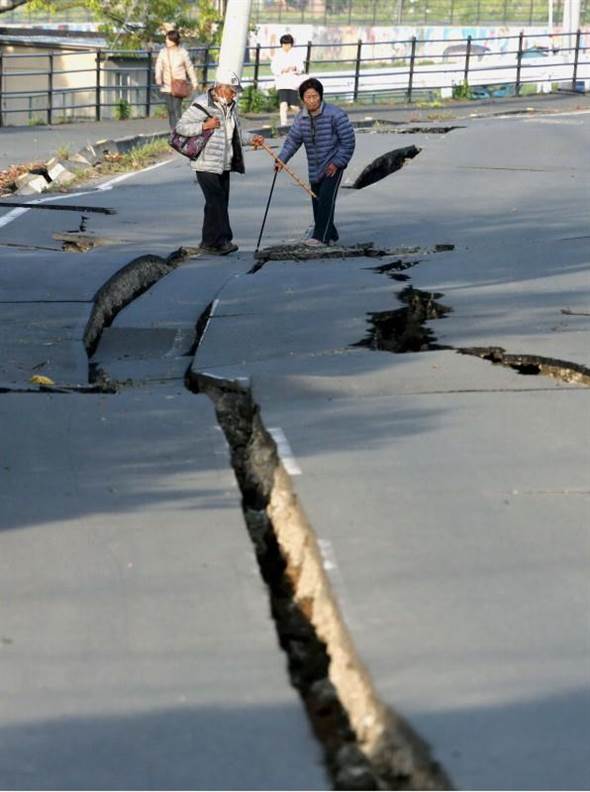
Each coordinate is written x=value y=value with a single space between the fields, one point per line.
x=532 y=365
x=395 y=269
x=400 y=760
x=403 y=329
x=422 y=130
x=301 y=252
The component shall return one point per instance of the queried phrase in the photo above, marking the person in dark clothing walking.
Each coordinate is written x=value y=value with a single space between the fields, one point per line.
x=327 y=134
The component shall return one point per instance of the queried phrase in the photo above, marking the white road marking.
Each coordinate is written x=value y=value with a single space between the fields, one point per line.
x=110 y=184
x=14 y=214
x=328 y=555
x=559 y=115
x=331 y=567
x=285 y=452
x=211 y=312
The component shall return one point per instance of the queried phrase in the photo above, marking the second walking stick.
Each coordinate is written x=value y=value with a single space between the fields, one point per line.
x=272 y=186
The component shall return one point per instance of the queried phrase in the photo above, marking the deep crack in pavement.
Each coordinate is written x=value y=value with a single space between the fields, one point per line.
x=404 y=329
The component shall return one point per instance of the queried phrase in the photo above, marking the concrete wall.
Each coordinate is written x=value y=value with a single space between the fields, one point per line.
x=25 y=84
x=335 y=43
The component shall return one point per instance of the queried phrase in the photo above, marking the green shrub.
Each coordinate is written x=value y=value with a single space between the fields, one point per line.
x=253 y=100
x=462 y=91
x=122 y=110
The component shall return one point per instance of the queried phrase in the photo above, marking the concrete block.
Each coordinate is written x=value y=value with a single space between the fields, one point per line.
x=76 y=166
x=31 y=184
x=60 y=173
x=88 y=155
x=128 y=143
x=103 y=147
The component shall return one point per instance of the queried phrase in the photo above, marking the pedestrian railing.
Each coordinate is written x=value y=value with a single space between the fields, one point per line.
x=70 y=85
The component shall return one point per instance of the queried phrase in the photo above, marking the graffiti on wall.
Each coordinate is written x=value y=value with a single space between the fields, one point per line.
x=395 y=42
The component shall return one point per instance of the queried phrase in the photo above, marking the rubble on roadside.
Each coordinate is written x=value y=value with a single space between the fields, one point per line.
x=37 y=177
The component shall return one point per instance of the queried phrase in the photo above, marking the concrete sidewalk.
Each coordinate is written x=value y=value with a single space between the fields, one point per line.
x=38 y=143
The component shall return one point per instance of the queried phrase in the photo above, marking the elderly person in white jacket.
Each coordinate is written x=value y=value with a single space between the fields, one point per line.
x=217 y=110
x=173 y=63
x=288 y=67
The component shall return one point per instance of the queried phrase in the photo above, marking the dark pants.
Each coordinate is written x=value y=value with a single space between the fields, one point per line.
x=324 y=205
x=216 y=228
x=174 y=107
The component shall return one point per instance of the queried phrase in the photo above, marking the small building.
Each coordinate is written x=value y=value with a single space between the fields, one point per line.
x=59 y=79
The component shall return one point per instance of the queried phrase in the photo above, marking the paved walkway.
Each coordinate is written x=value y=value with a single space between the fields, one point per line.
x=38 y=143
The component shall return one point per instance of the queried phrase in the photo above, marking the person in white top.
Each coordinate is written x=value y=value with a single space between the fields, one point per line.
x=288 y=67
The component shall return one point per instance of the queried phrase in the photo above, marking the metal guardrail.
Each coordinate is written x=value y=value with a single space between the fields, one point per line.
x=65 y=86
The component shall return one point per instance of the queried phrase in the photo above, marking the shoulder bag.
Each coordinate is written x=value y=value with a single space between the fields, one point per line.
x=192 y=146
x=178 y=88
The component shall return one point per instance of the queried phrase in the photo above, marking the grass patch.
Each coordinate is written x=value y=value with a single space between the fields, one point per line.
x=138 y=158
x=134 y=160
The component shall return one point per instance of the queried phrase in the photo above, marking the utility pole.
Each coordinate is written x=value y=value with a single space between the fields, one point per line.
x=571 y=19
x=235 y=36
x=571 y=24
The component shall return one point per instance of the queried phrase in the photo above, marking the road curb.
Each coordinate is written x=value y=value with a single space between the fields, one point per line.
x=90 y=155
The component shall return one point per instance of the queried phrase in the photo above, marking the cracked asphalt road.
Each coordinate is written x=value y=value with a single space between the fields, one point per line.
x=451 y=495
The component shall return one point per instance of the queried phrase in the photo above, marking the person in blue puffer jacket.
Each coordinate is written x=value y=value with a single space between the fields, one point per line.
x=327 y=134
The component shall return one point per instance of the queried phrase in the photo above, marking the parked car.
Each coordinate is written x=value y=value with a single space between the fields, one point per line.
x=459 y=51
x=535 y=52
x=491 y=91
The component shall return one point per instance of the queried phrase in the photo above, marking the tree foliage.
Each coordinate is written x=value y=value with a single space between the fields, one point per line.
x=133 y=24
x=10 y=5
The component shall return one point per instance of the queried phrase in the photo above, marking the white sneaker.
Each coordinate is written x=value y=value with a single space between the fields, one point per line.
x=313 y=243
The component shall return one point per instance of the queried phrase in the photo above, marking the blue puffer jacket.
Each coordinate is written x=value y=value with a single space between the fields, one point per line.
x=327 y=137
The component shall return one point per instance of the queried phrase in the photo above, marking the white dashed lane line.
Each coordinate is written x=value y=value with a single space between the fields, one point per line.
x=14 y=214
x=285 y=452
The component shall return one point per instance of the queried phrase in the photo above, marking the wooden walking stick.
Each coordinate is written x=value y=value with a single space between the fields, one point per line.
x=287 y=170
